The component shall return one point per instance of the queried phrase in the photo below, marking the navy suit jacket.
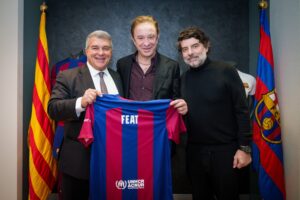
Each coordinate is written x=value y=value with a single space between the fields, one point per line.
x=74 y=158
x=166 y=81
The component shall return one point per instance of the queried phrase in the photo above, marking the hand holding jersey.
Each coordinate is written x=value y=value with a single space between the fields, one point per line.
x=180 y=105
x=89 y=97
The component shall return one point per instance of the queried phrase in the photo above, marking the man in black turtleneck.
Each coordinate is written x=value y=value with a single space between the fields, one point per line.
x=217 y=121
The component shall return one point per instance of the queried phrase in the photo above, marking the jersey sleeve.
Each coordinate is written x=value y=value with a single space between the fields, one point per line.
x=175 y=125
x=86 y=135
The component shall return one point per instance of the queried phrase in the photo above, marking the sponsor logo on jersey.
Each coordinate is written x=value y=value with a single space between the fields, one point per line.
x=121 y=185
x=130 y=184
x=129 y=119
x=87 y=120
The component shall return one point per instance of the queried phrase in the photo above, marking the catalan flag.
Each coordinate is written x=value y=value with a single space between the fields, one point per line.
x=267 y=143
x=42 y=165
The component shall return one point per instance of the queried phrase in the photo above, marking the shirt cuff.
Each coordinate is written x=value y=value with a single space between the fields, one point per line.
x=78 y=107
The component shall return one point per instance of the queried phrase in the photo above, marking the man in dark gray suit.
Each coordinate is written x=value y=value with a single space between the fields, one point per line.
x=148 y=74
x=74 y=90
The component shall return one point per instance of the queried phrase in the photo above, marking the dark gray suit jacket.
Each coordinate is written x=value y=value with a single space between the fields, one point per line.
x=70 y=84
x=167 y=76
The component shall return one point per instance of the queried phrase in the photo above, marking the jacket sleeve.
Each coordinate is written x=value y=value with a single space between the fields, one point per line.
x=61 y=106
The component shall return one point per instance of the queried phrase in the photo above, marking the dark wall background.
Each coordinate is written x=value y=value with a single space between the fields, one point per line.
x=70 y=21
x=225 y=21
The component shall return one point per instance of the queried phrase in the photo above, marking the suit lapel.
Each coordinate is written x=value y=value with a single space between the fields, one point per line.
x=85 y=78
x=127 y=76
x=160 y=75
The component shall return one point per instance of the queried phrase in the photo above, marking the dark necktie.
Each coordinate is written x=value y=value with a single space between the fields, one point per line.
x=102 y=84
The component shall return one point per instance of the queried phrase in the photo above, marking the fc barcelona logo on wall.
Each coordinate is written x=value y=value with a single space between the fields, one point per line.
x=268 y=117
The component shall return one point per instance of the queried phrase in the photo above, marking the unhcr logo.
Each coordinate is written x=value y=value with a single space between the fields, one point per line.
x=121 y=185
x=130 y=184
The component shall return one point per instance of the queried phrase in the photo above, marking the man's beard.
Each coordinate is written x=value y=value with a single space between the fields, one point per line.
x=200 y=60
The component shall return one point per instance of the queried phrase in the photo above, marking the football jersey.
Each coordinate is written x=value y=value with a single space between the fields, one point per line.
x=130 y=152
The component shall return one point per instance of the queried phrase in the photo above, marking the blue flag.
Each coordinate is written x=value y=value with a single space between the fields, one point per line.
x=267 y=143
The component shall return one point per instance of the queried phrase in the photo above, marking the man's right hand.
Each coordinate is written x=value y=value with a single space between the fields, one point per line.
x=89 y=97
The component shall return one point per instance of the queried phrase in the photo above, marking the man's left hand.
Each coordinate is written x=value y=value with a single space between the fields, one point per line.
x=241 y=159
x=180 y=105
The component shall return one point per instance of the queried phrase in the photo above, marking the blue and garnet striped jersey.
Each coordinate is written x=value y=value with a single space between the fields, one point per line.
x=130 y=152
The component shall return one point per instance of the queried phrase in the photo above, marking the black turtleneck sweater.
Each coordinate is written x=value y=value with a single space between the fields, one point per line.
x=218 y=112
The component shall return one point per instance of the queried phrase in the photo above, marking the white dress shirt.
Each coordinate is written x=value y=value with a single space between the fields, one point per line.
x=109 y=82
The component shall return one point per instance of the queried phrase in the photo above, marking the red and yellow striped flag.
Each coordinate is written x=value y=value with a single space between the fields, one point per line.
x=42 y=165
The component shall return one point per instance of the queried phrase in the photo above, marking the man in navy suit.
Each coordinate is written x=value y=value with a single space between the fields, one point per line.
x=74 y=90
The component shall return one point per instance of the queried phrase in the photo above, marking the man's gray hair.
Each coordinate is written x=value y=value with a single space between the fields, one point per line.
x=98 y=34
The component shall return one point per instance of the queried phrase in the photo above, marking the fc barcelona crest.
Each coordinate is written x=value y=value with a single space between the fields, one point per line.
x=268 y=117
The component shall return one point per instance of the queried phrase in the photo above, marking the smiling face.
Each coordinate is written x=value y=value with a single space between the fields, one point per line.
x=145 y=39
x=194 y=53
x=98 y=52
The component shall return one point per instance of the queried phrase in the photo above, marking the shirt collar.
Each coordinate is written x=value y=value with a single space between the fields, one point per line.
x=95 y=72
x=153 y=59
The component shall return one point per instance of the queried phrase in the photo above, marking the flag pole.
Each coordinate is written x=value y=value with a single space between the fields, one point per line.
x=42 y=173
x=43 y=7
x=263 y=4
x=267 y=151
